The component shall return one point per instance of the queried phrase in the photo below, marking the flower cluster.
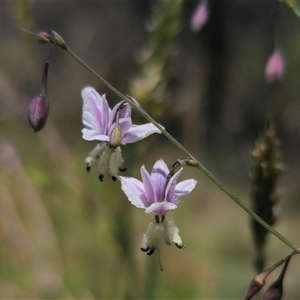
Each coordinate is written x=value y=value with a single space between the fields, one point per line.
x=158 y=192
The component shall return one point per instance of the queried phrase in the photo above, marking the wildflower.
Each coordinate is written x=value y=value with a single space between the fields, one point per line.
x=275 y=67
x=200 y=16
x=112 y=128
x=157 y=194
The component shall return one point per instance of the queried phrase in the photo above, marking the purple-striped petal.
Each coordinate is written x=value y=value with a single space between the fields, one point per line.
x=125 y=124
x=139 y=132
x=170 y=190
x=160 y=208
x=134 y=190
x=159 y=174
x=112 y=115
x=148 y=186
x=125 y=112
x=95 y=111
x=183 y=188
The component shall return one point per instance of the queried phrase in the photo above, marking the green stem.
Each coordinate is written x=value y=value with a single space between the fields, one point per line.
x=198 y=165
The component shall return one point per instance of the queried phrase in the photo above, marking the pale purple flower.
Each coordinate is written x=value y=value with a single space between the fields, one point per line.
x=112 y=127
x=200 y=16
x=157 y=194
x=275 y=67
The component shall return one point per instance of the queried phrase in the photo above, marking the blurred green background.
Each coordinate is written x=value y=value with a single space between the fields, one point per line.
x=65 y=235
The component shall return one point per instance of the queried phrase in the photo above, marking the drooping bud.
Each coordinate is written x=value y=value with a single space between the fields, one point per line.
x=200 y=16
x=38 y=111
x=258 y=281
x=256 y=284
x=275 y=67
x=274 y=292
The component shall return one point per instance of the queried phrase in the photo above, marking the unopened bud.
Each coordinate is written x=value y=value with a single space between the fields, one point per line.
x=256 y=284
x=43 y=37
x=38 y=111
x=275 y=67
x=273 y=293
x=58 y=40
x=275 y=290
x=115 y=137
x=200 y=16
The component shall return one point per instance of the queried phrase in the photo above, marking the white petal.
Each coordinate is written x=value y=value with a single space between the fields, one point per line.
x=183 y=188
x=139 y=132
x=134 y=190
x=92 y=135
x=160 y=208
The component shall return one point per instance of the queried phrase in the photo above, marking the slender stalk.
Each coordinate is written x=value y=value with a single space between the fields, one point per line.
x=198 y=165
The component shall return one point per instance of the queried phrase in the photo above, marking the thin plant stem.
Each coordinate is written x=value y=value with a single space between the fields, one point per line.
x=57 y=40
x=198 y=165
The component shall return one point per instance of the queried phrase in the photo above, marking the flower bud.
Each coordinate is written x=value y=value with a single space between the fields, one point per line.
x=273 y=293
x=43 y=37
x=256 y=284
x=38 y=111
x=199 y=17
x=275 y=67
x=275 y=290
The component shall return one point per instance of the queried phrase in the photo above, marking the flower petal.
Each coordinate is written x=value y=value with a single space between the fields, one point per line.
x=160 y=208
x=148 y=186
x=91 y=135
x=159 y=174
x=170 y=190
x=134 y=190
x=125 y=112
x=95 y=111
x=139 y=132
x=125 y=124
x=183 y=188
x=112 y=115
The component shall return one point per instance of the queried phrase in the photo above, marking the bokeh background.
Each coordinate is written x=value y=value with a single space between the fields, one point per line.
x=65 y=235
